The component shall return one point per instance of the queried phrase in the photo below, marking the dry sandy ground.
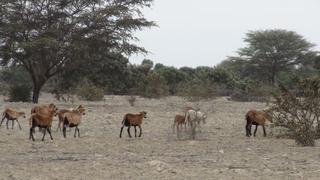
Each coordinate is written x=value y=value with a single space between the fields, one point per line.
x=220 y=151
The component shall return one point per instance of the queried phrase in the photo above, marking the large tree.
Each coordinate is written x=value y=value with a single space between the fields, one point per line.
x=46 y=36
x=273 y=51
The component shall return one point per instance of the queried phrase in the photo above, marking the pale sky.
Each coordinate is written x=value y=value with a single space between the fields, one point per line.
x=204 y=32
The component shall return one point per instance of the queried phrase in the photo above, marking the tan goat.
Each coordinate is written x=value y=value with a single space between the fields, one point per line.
x=12 y=115
x=73 y=119
x=61 y=113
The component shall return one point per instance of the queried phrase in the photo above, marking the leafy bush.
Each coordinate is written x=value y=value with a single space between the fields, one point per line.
x=155 y=86
x=13 y=78
x=20 y=93
x=86 y=90
x=299 y=110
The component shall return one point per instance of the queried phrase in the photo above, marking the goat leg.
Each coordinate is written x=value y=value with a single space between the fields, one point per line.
x=49 y=131
x=7 y=123
x=255 y=131
x=264 y=131
x=31 y=133
x=64 y=131
x=140 y=130
x=129 y=131
x=2 y=120
x=78 y=131
x=75 y=131
x=135 y=131
x=44 y=133
x=19 y=124
x=247 y=130
x=121 y=131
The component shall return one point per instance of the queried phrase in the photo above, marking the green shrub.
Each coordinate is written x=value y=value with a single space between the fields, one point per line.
x=87 y=91
x=19 y=93
x=155 y=86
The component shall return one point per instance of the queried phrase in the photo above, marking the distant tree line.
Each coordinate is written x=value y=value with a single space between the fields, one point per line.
x=81 y=48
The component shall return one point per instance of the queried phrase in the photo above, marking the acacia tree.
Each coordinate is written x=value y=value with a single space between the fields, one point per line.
x=272 y=51
x=46 y=36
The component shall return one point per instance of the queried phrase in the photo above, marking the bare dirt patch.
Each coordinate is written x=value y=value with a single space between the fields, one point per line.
x=220 y=151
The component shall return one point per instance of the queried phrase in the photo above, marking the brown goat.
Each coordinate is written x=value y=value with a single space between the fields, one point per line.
x=73 y=119
x=43 y=121
x=43 y=110
x=179 y=121
x=61 y=113
x=257 y=118
x=133 y=120
x=11 y=115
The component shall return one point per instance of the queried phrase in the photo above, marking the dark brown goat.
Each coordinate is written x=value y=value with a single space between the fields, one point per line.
x=11 y=115
x=43 y=121
x=257 y=118
x=133 y=120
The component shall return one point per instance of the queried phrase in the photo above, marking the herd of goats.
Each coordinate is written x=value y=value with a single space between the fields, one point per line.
x=42 y=117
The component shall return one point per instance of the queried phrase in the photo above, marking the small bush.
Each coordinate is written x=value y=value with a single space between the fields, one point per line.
x=299 y=110
x=19 y=93
x=86 y=90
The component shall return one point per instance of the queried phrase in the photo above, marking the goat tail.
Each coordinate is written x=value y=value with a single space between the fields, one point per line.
x=249 y=121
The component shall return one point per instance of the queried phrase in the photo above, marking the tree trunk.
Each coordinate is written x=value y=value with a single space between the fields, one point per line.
x=273 y=80
x=274 y=74
x=36 y=91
